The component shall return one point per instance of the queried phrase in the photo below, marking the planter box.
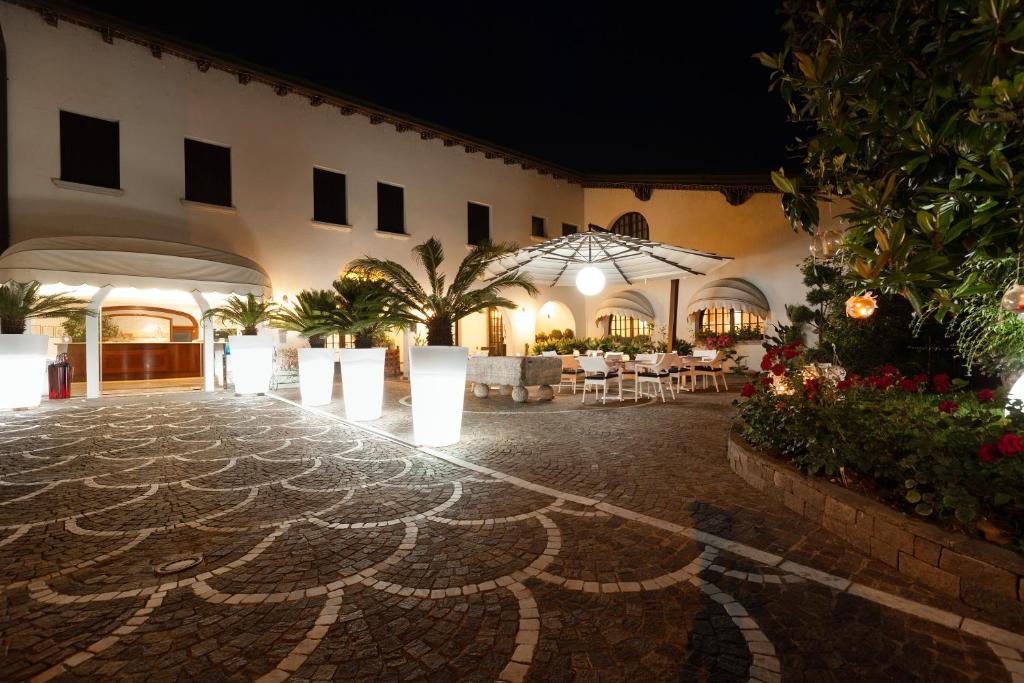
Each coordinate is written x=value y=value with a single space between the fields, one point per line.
x=252 y=363
x=316 y=376
x=22 y=370
x=438 y=378
x=362 y=383
x=972 y=571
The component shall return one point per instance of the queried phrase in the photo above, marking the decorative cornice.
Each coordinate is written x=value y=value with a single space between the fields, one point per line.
x=736 y=189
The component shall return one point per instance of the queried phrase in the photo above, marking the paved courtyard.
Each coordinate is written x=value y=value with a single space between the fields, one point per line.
x=184 y=536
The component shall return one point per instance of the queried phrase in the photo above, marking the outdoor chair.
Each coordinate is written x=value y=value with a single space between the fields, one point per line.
x=709 y=365
x=598 y=374
x=571 y=373
x=657 y=374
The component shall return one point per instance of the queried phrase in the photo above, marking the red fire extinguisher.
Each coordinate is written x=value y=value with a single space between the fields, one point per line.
x=60 y=377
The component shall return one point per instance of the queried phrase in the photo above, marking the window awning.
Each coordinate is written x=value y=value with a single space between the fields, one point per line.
x=626 y=303
x=131 y=262
x=730 y=293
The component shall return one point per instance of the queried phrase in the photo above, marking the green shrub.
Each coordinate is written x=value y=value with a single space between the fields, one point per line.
x=927 y=445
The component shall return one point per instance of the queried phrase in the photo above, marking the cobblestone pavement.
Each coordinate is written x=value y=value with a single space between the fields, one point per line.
x=557 y=542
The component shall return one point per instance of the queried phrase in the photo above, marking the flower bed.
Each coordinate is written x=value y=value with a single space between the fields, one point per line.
x=922 y=444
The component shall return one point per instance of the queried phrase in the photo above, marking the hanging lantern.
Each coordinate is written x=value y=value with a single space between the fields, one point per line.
x=1013 y=298
x=825 y=244
x=816 y=246
x=861 y=306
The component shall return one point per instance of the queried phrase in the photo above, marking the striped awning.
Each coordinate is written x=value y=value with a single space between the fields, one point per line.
x=626 y=303
x=731 y=293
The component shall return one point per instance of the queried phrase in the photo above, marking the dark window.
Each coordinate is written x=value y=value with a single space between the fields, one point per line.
x=632 y=224
x=569 y=229
x=537 y=226
x=390 y=208
x=89 y=150
x=329 y=204
x=479 y=223
x=207 y=173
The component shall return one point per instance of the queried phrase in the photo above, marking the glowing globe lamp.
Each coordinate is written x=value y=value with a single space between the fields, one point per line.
x=590 y=281
x=438 y=378
x=1013 y=298
x=362 y=383
x=861 y=306
x=22 y=370
x=252 y=363
x=316 y=376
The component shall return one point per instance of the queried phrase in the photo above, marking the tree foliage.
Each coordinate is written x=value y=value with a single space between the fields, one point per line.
x=914 y=112
x=20 y=301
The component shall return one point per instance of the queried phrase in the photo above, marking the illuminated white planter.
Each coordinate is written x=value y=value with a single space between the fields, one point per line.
x=316 y=376
x=438 y=378
x=252 y=363
x=22 y=370
x=362 y=383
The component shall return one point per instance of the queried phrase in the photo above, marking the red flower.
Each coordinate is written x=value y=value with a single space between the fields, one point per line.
x=888 y=370
x=748 y=390
x=778 y=369
x=844 y=384
x=766 y=362
x=908 y=385
x=1010 y=444
x=985 y=395
x=791 y=352
x=948 y=407
x=811 y=387
x=780 y=405
x=767 y=381
x=940 y=383
x=988 y=453
x=883 y=382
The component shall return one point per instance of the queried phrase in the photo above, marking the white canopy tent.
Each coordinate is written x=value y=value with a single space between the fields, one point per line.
x=99 y=264
x=626 y=303
x=731 y=293
x=623 y=260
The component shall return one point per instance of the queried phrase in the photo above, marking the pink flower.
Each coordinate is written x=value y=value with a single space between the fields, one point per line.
x=778 y=369
x=748 y=390
x=985 y=395
x=988 y=453
x=949 y=407
x=1010 y=444
x=940 y=383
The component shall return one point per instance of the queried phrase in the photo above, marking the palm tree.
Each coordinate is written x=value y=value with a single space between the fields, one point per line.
x=20 y=301
x=440 y=307
x=307 y=315
x=247 y=313
x=363 y=307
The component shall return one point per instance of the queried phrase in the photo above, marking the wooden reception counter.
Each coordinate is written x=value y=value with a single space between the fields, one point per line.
x=141 y=360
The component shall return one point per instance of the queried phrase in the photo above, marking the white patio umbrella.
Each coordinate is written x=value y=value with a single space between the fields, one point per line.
x=595 y=257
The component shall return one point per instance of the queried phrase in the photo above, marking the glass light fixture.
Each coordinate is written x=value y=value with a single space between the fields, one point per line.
x=362 y=383
x=252 y=363
x=590 y=280
x=22 y=369
x=316 y=376
x=438 y=378
x=1013 y=298
x=861 y=306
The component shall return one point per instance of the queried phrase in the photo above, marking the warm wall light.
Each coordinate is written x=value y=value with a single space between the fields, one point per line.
x=438 y=378
x=252 y=363
x=362 y=383
x=22 y=369
x=861 y=306
x=316 y=376
x=590 y=281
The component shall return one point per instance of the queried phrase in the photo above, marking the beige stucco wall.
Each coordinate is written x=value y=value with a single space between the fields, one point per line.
x=275 y=143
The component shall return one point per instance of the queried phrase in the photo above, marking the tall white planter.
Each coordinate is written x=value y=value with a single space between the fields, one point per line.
x=438 y=378
x=22 y=370
x=362 y=383
x=252 y=363
x=316 y=376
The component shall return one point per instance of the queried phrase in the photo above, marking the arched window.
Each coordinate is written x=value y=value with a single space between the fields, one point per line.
x=626 y=326
x=632 y=224
x=726 y=320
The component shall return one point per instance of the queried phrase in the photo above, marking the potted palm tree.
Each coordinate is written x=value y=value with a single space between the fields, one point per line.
x=437 y=372
x=365 y=309
x=307 y=316
x=23 y=356
x=252 y=356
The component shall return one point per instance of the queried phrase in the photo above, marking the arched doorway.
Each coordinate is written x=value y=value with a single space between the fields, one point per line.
x=632 y=224
x=495 y=332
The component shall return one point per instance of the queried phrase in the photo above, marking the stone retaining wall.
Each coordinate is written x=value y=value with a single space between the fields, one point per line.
x=977 y=573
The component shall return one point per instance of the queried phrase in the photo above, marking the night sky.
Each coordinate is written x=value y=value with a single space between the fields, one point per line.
x=632 y=89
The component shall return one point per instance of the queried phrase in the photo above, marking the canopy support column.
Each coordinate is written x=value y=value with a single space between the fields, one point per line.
x=93 y=378
x=209 y=371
